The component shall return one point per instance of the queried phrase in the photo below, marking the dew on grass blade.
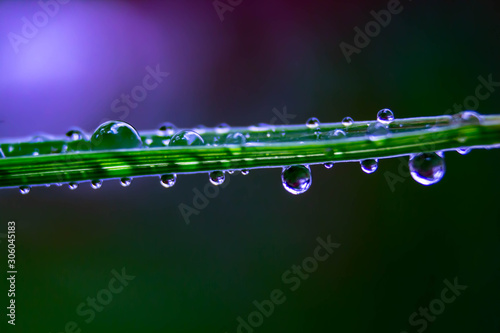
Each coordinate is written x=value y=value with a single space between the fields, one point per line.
x=312 y=123
x=168 y=180
x=24 y=189
x=125 y=181
x=369 y=165
x=245 y=172
x=115 y=135
x=296 y=179
x=463 y=151
x=328 y=165
x=347 y=121
x=385 y=116
x=235 y=139
x=167 y=129
x=427 y=168
x=216 y=177
x=75 y=134
x=96 y=184
x=336 y=134
x=467 y=118
x=377 y=131
x=186 y=138
x=73 y=186
x=222 y=128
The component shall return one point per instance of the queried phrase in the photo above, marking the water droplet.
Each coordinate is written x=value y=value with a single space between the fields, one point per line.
x=328 y=165
x=24 y=189
x=222 y=128
x=168 y=180
x=73 y=186
x=235 y=139
x=186 y=138
x=2 y=155
x=75 y=134
x=296 y=179
x=96 y=184
x=148 y=141
x=467 y=118
x=463 y=151
x=312 y=123
x=347 y=121
x=245 y=172
x=167 y=129
x=377 y=131
x=36 y=152
x=216 y=177
x=369 y=166
x=427 y=168
x=336 y=134
x=115 y=135
x=125 y=182
x=385 y=116
x=230 y=172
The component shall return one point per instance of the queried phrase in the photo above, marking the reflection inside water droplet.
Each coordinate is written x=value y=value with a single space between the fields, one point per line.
x=296 y=179
x=347 y=121
x=369 y=165
x=216 y=177
x=385 y=116
x=427 y=168
x=96 y=184
x=168 y=180
x=115 y=135
x=312 y=123
x=125 y=181
x=24 y=189
x=186 y=138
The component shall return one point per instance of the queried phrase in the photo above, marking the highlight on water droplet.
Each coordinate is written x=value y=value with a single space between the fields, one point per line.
x=377 y=131
x=328 y=165
x=336 y=134
x=216 y=177
x=24 y=189
x=369 y=165
x=96 y=184
x=347 y=121
x=115 y=135
x=296 y=179
x=245 y=172
x=186 y=138
x=385 y=116
x=167 y=129
x=235 y=139
x=2 y=155
x=312 y=123
x=463 y=151
x=427 y=168
x=168 y=180
x=73 y=186
x=36 y=152
x=75 y=134
x=125 y=181
x=222 y=128
x=467 y=118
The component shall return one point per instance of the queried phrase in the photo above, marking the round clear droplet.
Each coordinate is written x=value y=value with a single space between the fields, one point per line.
x=245 y=172
x=336 y=134
x=312 y=123
x=369 y=165
x=347 y=121
x=296 y=179
x=96 y=184
x=73 y=186
x=216 y=177
x=467 y=118
x=427 y=168
x=186 y=138
x=377 y=131
x=385 y=116
x=328 y=165
x=235 y=139
x=222 y=128
x=463 y=151
x=125 y=181
x=115 y=135
x=75 y=134
x=24 y=189
x=168 y=180
x=167 y=129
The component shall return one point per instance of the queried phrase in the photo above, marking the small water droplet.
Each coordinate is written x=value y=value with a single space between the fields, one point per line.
x=36 y=152
x=2 y=155
x=377 y=131
x=296 y=179
x=336 y=134
x=369 y=166
x=186 y=138
x=463 y=151
x=115 y=135
x=216 y=177
x=328 y=165
x=467 y=118
x=245 y=172
x=125 y=181
x=230 y=172
x=312 y=123
x=24 y=189
x=235 y=139
x=347 y=121
x=148 y=141
x=96 y=184
x=168 y=180
x=75 y=134
x=385 y=116
x=73 y=186
x=222 y=128
x=427 y=168
x=167 y=129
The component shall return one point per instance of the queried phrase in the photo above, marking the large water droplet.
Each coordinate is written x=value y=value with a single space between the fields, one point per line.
x=168 y=180
x=115 y=135
x=427 y=168
x=167 y=129
x=96 y=184
x=385 y=116
x=467 y=118
x=369 y=166
x=75 y=134
x=235 y=139
x=312 y=123
x=377 y=131
x=73 y=186
x=24 y=189
x=347 y=121
x=296 y=179
x=186 y=138
x=328 y=165
x=125 y=181
x=216 y=177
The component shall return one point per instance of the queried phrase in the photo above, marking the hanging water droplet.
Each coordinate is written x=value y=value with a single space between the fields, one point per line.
x=467 y=118
x=377 y=131
x=222 y=128
x=312 y=122
x=24 y=189
x=463 y=151
x=216 y=177
x=96 y=184
x=347 y=121
x=369 y=166
x=73 y=186
x=328 y=165
x=75 y=134
x=186 y=138
x=235 y=139
x=296 y=179
x=167 y=129
x=115 y=135
x=385 y=116
x=125 y=181
x=168 y=180
x=427 y=168
x=245 y=172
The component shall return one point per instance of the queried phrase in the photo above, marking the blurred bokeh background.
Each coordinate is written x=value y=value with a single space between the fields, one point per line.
x=398 y=244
